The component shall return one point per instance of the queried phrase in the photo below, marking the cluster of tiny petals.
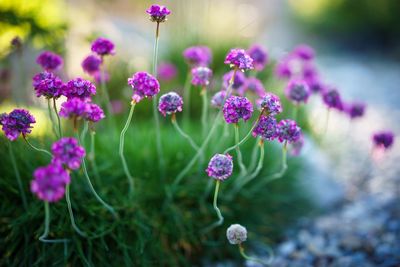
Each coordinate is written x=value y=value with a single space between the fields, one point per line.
x=297 y=91
x=332 y=99
x=49 y=61
x=91 y=64
x=259 y=56
x=236 y=108
x=220 y=167
x=355 y=110
x=297 y=146
x=49 y=182
x=304 y=52
x=288 y=131
x=383 y=139
x=170 y=103
x=271 y=104
x=16 y=122
x=236 y=234
x=166 y=71
x=266 y=128
x=255 y=86
x=238 y=58
x=198 y=56
x=102 y=47
x=48 y=85
x=238 y=81
x=201 y=76
x=79 y=88
x=218 y=99
x=158 y=13
x=74 y=108
x=143 y=85
x=68 y=152
x=94 y=113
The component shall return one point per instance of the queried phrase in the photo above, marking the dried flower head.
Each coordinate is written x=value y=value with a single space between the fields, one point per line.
x=102 y=47
x=259 y=56
x=266 y=128
x=297 y=91
x=238 y=58
x=220 y=167
x=201 y=76
x=158 y=13
x=236 y=234
x=48 y=85
x=170 y=103
x=79 y=88
x=68 y=152
x=91 y=64
x=236 y=108
x=49 y=61
x=288 y=131
x=16 y=122
x=383 y=139
x=271 y=104
x=197 y=56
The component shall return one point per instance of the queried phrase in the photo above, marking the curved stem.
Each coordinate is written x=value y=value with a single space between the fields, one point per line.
x=43 y=237
x=217 y=210
x=266 y=263
x=71 y=213
x=254 y=154
x=53 y=124
x=58 y=118
x=18 y=176
x=121 y=149
x=35 y=148
x=106 y=96
x=204 y=111
x=92 y=157
x=185 y=135
x=238 y=152
x=186 y=97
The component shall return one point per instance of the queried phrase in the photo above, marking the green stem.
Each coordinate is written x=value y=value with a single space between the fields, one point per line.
x=204 y=111
x=186 y=97
x=53 y=123
x=238 y=152
x=106 y=96
x=37 y=149
x=71 y=213
x=18 y=176
x=92 y=156
x=58 y=118
x=121 y=149
x=295 y=111
x=217 y=210
x=254 y=154
x=184 y=135
x=43 y=237
x=244 y=255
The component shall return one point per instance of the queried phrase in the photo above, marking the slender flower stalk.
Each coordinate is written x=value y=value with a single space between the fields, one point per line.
x=186 y=97
x=281 y=172
x=92 y=157
x=183 y=134
x=18 y=176
x=254 y=154
x=58 y=118
x=36 y=148
x=244 y=255
x=71 y=213
x=220 y=220
x=204 y=118
x=43 y=237
x=53 y=123
x=238 y=152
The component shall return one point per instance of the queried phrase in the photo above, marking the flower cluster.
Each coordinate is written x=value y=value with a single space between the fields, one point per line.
x=76 y=108
x=18 y=121
x=271 y=104
x=143 y=85
x=236 y=234
x=255 y=86
x=166 y=71
x=297 y=91
x=220 y=167
x=102 y=47
x=288 y=131
x=383 y=139
x=68 y=152
x=91 y=64
x=218 y=99
x=201 y=76
x=259 y=56
x=355 y=110
x=158 y=13
x=197 y=56
x=79 y=88
x=266 y=128
x=239 y=59
x=332 y=99
x=238 y=81
x=170 y=103
x=48 y=85
x=236 y=108
x=49 y=61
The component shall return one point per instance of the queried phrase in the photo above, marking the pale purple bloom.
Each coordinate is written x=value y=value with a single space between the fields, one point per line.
x=220 y=167
x=94 y=113
x=236 y=234
x=283 y=69
x=166 y=71
x=48 y=85
x=255 y=86
x=304 y=52
x=266 y=128
x=116 y=106
x=288 y=131
x=238 y=58
x=170 y=103
x=79 y=88
x=238 y=81
x=259 y=56
x=143 y=85
x=297 y=146
x=383 y=139
x=16 y=122
x=102 y=47
x=49 y=182
x=101 y=77
x=236 y=108
x=271 y=103
x=332 y=99
x=49 y=61
x=91 y=64
x=74 y=108
x=218 y=99
x=201 y=76
x=158 y=13
x=68 y=152
x=197 y=56
x=297 y=91
x=355 y=110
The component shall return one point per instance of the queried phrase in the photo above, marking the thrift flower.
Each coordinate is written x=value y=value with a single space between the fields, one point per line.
x=237 y=107
x=283 y=70
x=238 y=82
x=66 y=151
x=48 y=85
x=355 y=110
x=197 y=56
x=218 y=99
x=304 y=52
x=167 y=71
x=259 y=56
x=79 y=88
x=158 y=13
x=255 y=86
x=332 y=99
x=236 y=234
x=383 y=139
x=49 y=61
x=74 y=108
x=102 y=47
x=201 y=76
x=16 y=122
x=238 y=58
x=143 y=85
x=288 y=131
x=297 y=91
x=266 y=128
x=170 y=103
x=297 y=146
x=271 y=103
x=91 y=64
x=220 y=167
x=94 y=113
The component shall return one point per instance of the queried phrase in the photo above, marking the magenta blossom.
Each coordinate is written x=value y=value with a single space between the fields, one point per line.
x=143 y=85
x=288 y=131
x=266 y=128
x=197 y=56
x=255 y=86
x=94 y=113
x=170 y=103
x=297 y=146
x=259 y=56
x=67 y=151
x=102 y=47
x=158 y=13
x=49 y=61
x=79 y=88
x=74 y=108
x=236 y=108
x=220 y=167
x=304 y=52
x=218 y=99
x=297 y=91
x=166 y=71
x=238 y=81
x=271 y=104
x=16 y=122
x=91 y=64
x=48 y=85
x=238 y=58
x=383 y=139
x=201 y=76
x=355 y=110
x=332 y=99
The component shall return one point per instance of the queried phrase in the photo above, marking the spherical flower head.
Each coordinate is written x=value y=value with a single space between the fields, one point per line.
x=166 y=71
x=238 y=82
x=266 y=128
x=94 y=113
x=197 y=56
x=297 y=91
x=238 y=58
x=255 y=86
x=383 y=139
x=68 y=152
x=283 y=70
x=217 y=100
x=16 y=122
x=236 y=108
x=271 y=104
x=143 y=85
x=355 y=110
x=49 y=61
x=304 y=52
x=315 y=84
x=220 y=167
x=91 y=64
x=259 y=56
x=201 y=76
x=102 y=47
x=79 y=88
x=297 y=146
x=288 y=131
x=236 y=234
x=170 y=103
x=48 y=85
x=49 y=182
x=158 y=13
x=332 y=99
x=74 y=108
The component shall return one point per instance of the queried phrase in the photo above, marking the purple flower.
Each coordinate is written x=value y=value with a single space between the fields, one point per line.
x=332 y=99
x=170 y=103
x=288 y=131
x=315 y=85
x=167 y=71
x=94 y=113
x=255 y=86
x=304 y=52
x=237 y=107
x=16 y=122
x=197 y=56
x=271 y=103
x=383 y=139
x=266 y=128
x=74 y=108
x=220 y=167
x=49 y=61
x=201 y=76
x=102 y=47
x=238 y=81
x=68 y=152
x=143 y=85
x=297 y=91
x=49 y=182
x=239 y=59
x=79 y=88
x=91 y=64
x=355 y=110
x=259 y=56
x=283 y=70
x=297 y=146
x=158 y=13
x=48 y=85
x=101 y=77
x=218 y=99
